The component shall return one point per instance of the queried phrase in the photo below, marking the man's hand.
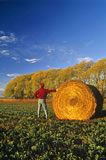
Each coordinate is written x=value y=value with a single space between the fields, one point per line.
x=57 y=89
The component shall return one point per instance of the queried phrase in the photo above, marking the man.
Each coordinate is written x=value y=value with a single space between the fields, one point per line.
x=41 y=95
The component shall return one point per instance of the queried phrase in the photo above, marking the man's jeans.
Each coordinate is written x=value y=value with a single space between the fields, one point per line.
x=42 y=102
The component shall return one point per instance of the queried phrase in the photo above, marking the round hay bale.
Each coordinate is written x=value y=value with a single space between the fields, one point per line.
x=74 y=100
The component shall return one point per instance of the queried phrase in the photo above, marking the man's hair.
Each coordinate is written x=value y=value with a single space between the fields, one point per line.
x=42 y=85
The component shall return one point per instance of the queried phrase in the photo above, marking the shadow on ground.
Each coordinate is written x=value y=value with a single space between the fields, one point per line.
x=103 y=114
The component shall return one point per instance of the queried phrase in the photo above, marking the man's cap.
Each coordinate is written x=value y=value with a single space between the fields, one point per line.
x=42 y=85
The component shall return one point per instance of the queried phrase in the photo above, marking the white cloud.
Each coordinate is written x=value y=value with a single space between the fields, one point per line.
x=14 y=58
x=4 y=52
x=46 y=47
x=50 y=50
x=8 y=38
x=34 y=60
x=12 y=37
x=13 y=75
x=1 y=89
x=87 y=59
x=4 y=38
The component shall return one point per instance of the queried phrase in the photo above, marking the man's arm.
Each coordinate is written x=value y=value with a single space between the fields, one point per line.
x=36 y=94
x=52 y=90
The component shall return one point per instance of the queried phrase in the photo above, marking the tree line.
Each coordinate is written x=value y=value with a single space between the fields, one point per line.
x=91 y=73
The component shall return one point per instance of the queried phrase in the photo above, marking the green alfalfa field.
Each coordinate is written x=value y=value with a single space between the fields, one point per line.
x=25 y=137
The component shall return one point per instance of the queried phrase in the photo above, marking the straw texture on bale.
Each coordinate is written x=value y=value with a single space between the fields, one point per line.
x=74 y=100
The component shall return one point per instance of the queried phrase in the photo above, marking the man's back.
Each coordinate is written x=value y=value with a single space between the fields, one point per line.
x=42 y=93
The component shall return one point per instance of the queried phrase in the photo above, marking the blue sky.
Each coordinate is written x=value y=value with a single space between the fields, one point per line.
x=42 y=34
